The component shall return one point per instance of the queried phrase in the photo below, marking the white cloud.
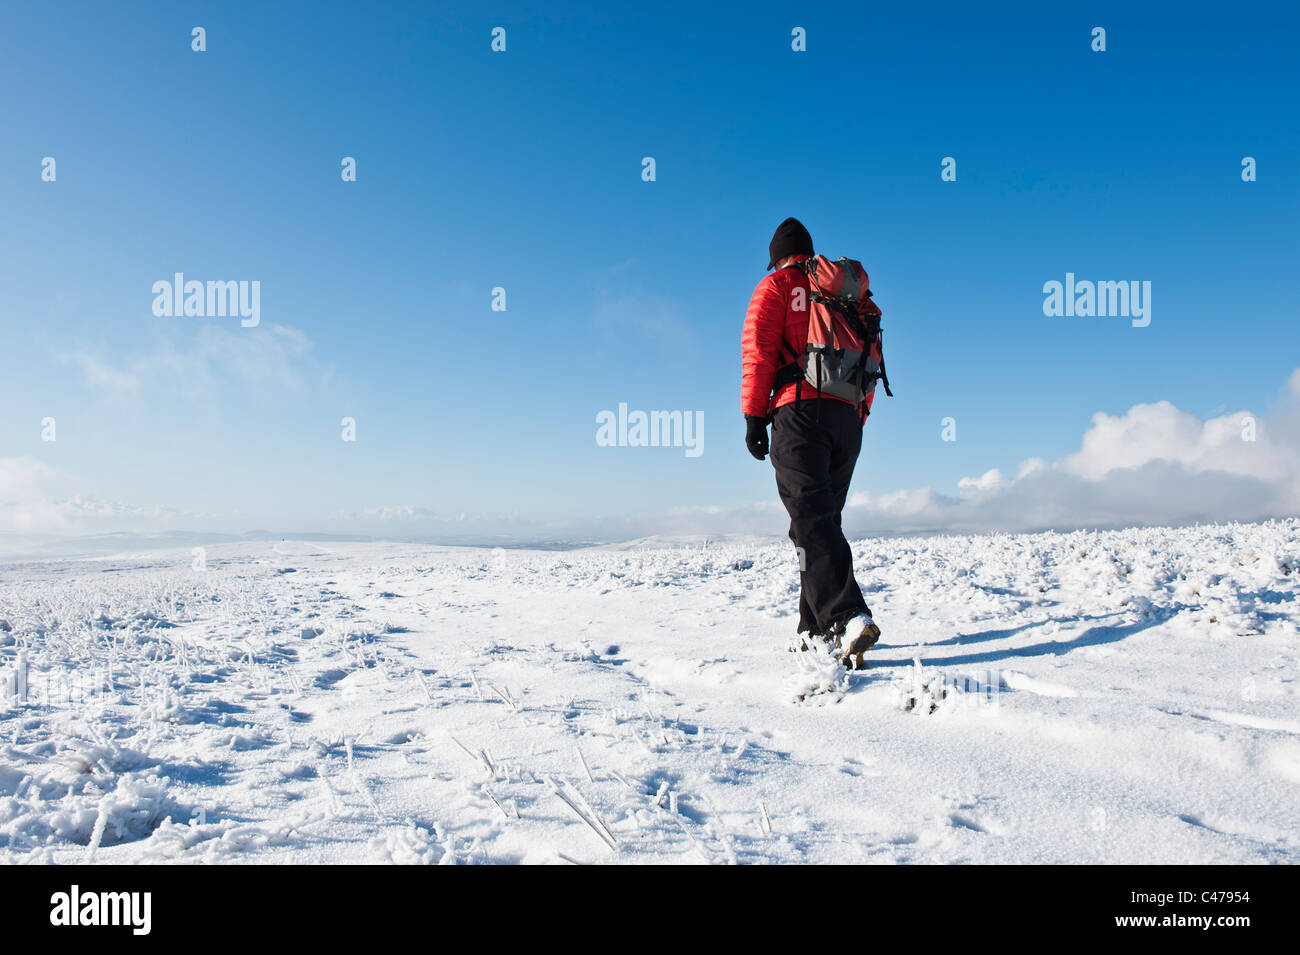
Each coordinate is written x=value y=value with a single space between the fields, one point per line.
x=100 y=376
x=1161 y=432
x=27 y=490
x=989 y=479
x=631 y=313
x=1155 y=464
x=270 y=354
x=36 y=499
x=396 y=512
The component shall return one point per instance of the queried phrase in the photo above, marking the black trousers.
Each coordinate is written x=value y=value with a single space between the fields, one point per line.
x=814 y=448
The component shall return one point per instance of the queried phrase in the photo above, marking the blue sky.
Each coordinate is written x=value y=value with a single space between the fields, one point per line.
x=522 y=170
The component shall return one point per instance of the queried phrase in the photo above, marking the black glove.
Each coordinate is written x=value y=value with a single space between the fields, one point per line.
x=756 y=435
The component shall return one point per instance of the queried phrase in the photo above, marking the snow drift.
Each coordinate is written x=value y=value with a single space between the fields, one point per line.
x=1123 y=696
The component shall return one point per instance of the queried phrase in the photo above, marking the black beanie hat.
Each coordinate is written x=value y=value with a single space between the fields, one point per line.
x=791 y=238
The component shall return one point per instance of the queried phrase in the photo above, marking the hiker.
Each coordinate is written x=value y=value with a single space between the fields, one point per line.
x=811 y=355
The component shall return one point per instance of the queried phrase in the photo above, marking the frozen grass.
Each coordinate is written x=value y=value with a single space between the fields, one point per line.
x=1125 y=696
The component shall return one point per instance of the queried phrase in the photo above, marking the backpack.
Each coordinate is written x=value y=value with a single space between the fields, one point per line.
x=843 y=357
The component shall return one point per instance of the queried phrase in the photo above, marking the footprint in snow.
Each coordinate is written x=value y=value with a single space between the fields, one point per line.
x=960 y=820
x=297 y=716
x=328 y=678
x=851 y=766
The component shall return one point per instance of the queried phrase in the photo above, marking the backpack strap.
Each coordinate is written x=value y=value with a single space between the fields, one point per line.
x=787 y=375
x=884 y=375
x=792 y=372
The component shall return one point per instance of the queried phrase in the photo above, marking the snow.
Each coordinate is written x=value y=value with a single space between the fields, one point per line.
x=1116 y=697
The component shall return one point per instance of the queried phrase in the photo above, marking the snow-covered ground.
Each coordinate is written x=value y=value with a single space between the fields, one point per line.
x=1126 y=696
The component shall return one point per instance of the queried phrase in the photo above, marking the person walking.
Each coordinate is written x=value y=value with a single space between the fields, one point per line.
x=811 y=355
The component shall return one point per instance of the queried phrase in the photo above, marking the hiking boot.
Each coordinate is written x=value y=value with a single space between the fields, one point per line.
x=854 y=637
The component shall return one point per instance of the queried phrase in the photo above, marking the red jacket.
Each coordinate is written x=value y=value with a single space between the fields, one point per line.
x=775 y=335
